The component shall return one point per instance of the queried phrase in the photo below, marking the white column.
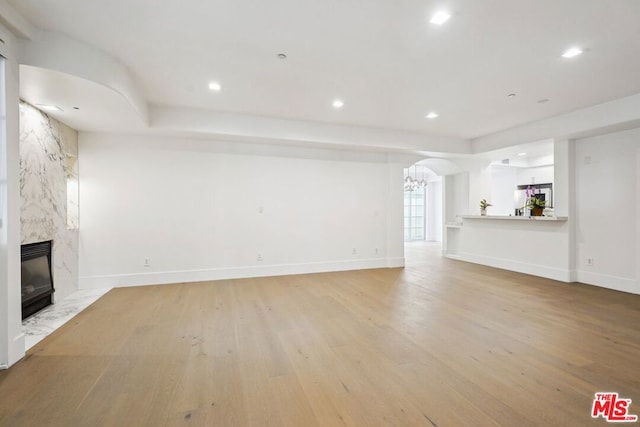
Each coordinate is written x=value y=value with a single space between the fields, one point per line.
x=395 y=215
x=11 y=337
x=564 y=190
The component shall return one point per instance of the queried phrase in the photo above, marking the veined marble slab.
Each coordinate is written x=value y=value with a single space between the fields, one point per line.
x=49 y=192
x=43 y=323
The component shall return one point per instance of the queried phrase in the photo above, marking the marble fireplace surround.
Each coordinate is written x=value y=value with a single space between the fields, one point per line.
x=50 y=211
x=49 y=192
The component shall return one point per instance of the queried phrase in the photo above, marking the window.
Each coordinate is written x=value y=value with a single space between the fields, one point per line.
x=415 y=214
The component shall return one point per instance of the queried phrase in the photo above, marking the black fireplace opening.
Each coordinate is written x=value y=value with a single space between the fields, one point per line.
x=37 y=280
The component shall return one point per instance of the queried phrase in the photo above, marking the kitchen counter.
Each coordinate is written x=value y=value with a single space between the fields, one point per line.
x=516 y=218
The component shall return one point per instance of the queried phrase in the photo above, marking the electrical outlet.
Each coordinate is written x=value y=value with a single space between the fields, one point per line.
x=376 y=251
x=147 y=262
x=590 y=262
x=259 y=258
x=354 y=251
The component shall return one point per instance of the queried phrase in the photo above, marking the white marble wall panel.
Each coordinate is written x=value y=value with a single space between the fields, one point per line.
x=48 y=186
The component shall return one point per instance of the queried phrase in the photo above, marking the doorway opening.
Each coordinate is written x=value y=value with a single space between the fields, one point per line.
x=422 y=204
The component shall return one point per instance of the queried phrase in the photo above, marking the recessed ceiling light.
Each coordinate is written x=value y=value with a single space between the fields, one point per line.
x=48 y=107
x=572 y=52
x=338 y=103
x=432 y=115
x=511 y=95
x=522 y=154
x=440 y=17
x=215 y=86
x=282 y=56
x=542 y=101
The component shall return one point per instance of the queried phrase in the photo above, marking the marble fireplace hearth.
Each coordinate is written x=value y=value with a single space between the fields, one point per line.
x=45 y=322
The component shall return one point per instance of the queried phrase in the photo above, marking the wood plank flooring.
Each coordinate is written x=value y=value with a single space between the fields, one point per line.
x=439 y=343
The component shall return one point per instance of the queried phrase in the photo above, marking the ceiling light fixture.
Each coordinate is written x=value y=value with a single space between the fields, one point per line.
x=522 y=154
x=282 y=56
x=411 y=183
x=48 y=107
x=215 y=86
x=338 y=103
x=511 y=95
x=432 y=115
x=572 y=52
x=440 y=17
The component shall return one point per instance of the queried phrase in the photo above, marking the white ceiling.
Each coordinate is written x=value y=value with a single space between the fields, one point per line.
x=388 y=63
x=77 y=97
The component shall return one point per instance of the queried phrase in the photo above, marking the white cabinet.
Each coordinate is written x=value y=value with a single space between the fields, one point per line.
x=536 y=175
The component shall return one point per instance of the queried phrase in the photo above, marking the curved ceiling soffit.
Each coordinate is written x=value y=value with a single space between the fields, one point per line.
x=55 y=51
x=58 y=52
x=441 y=167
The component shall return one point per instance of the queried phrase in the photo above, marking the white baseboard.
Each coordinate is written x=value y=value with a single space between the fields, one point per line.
x=16 y=349
x=394 y=262
x=166 y=277
x=607 y=281
x=518 y=266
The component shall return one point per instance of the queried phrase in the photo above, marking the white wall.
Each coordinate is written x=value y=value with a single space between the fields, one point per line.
x=479 y=186
x=456 y=199
x=503 y=185
x=456 y=203
x=535 y=175
x=434 y=210
x=597 y=186
x=637 y=218
x=11 y=336
x=534 y=247
x=199 y=214
x=607 y=182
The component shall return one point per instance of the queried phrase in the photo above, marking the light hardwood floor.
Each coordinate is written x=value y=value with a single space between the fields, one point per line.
x=439 y=343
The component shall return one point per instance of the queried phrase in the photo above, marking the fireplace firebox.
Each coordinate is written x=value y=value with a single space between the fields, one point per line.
x=37 y=280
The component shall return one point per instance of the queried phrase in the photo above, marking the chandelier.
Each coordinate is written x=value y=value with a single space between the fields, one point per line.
x=411 y=183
